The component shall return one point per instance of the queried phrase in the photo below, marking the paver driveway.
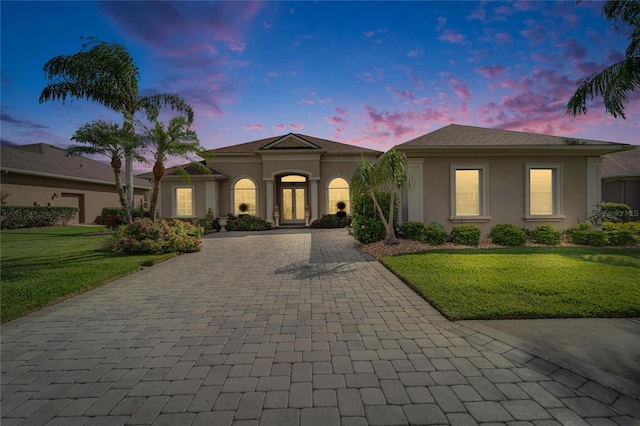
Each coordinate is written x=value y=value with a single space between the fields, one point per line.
x=279 y=328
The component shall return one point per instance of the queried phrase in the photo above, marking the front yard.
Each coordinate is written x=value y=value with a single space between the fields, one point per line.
x=42 y=266
x=528 y=282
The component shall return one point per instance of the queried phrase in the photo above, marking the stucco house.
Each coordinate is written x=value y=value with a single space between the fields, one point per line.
x=43 y=174
x=461 y=174
x=466 y=174
x=621 y=179
x=286 y=175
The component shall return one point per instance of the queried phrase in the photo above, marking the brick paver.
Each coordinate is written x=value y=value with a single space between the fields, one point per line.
x=288 y=327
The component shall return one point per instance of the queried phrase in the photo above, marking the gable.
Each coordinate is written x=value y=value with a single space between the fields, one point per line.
x=290 y=141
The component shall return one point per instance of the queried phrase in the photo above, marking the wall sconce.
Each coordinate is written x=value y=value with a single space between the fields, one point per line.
x=54 y=196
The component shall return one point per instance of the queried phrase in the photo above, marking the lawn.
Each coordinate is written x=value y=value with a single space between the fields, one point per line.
x=533 y=282
x=45 y=265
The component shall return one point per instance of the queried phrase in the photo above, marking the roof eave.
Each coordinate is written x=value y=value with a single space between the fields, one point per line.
x=63 y=177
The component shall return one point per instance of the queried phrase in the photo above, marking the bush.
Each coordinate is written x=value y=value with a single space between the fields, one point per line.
x=145 y=236
x=247 y=223
x=208 y=223
x=113 y=217
x=14 y=217
x=610 y=212
x=546 y=234
x=435 y=235
x=583 y=235
x=331 y=221
x=366 y=226
x=622 y=234
x=466 y=235
x=413 y=230
x=507 y=235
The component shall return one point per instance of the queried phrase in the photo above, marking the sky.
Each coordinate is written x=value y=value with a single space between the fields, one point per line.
x=372 y=74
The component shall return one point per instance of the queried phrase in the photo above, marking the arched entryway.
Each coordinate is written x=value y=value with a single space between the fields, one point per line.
x=293 y=198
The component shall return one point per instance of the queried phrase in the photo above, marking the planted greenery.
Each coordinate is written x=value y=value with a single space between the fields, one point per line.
x=610 y=212
x=435 y=235
x=366 y=225
x=413 y=230
x=546 y=234
x=42 y=266
x=466 y=235
x=247 y=223
x=15 y=217
x=507 y=235
x=144 y=236
x=525 y=282
x=331 y=221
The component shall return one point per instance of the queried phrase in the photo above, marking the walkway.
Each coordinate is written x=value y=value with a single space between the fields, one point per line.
x=282 y=328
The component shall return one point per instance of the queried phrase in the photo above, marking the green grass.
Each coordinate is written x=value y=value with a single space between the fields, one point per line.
x=45 y=265
x=525 y=282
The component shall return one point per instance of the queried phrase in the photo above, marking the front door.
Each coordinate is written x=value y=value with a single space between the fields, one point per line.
x=293 y=202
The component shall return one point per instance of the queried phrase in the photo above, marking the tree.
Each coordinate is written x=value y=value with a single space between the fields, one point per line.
x=104 y=138
x=177 y=140
x=106 y=73
x=389 y=173
x=616 y=82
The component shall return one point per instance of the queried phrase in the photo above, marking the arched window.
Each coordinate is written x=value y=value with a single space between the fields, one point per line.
x=244 y=193
x=338 y=190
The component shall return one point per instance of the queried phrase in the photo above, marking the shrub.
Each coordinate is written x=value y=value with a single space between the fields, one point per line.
x=208 y=223
x=435 y=235
x=366 y=226
x=331 y=221
x=247 y=223
x=583 y=235
x=466 y=235
x=13 y=217
x=622 y=234
x=610 y=212
x=413 y=230
x=507 y=235
x=546 y=234
x=145 y=236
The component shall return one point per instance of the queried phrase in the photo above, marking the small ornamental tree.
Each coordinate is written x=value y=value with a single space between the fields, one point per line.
x=388 y=174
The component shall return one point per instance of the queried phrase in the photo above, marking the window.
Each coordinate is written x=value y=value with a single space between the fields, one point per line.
x=469 y=199
x=338 y=190
x=543 y=191
x=244 y=192
x=184 y=201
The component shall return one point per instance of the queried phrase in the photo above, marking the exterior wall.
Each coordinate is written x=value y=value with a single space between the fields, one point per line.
x=332 y=167
x=625 y=190
x=506 y=190
x=25 y=190
x=236 y=169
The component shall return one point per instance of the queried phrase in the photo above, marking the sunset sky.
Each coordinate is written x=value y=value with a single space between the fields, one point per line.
x=373 y=74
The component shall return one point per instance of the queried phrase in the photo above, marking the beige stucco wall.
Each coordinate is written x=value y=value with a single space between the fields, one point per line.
x=25 y=190
x=506 y=190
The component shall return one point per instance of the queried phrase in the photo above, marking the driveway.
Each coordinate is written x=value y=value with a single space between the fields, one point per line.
x=288 y=327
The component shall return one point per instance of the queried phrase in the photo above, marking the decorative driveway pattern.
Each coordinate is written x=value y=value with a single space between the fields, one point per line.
x=282 y=328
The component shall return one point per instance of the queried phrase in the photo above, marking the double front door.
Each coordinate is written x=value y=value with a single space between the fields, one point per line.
x=293 y=203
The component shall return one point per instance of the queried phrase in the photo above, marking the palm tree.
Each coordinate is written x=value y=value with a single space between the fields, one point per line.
x=104 y=138
x=105 y=73
x=177 y=140
x=617 y=81
x=390 y=174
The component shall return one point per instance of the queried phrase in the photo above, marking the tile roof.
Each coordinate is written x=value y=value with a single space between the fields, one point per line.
x=470 y=136
x=619 y=164
x=46 y=159
x=330 y=147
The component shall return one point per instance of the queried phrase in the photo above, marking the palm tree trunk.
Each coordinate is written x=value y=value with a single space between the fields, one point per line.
x=121 y=196
x=158 y=173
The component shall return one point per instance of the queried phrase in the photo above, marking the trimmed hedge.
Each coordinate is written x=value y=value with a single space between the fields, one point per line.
x=435 y=235
x=247 y=223
x=14 y=217
x=507 y=235
x=413 y=230
x=546 y=234
x=466 y=235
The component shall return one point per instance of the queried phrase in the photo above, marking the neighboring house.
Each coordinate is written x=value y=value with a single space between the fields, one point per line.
x=471 y=175
x=621 y=179
x=41 y=174
x=292 y=174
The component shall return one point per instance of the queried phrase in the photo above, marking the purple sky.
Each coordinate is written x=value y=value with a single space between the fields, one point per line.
x=373 y=74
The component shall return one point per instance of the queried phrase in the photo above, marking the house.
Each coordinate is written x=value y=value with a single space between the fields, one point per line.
x=295 y=176
x=460 y=174
x=41 y=174
x=472 y=175
x=621 y=179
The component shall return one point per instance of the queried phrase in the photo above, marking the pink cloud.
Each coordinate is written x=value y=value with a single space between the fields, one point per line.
x=280 y=127
x=401 y=94
x=452 y=36
x=458 y=86
x=340 y=110
x=441 y=23
x=335 y=120
x=415 y=53
x=237 y=46
x=253 y=126
x=308 y=101
x=368 y=34
x=296 y=126
x=491 y=71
